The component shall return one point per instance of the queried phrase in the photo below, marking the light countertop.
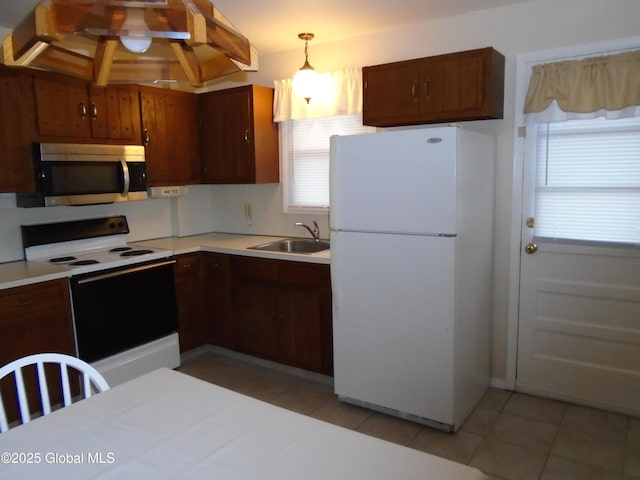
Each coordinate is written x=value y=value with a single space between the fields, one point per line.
x=20 y=273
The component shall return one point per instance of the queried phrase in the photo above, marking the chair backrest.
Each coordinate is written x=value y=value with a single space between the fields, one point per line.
x=91 y=380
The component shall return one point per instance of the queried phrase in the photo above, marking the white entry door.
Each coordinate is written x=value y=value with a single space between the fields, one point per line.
x=579 y=314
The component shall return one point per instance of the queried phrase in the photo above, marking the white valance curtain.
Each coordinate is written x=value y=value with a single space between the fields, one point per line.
x=605 y=86
x=340 y=93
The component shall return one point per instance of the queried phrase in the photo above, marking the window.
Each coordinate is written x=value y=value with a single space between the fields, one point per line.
x=305 y=159
x=588 y=180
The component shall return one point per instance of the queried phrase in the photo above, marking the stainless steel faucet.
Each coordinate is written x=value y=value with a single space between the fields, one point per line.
x=315 y=233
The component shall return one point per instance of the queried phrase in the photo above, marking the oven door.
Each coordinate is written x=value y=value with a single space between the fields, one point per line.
x=116 y=310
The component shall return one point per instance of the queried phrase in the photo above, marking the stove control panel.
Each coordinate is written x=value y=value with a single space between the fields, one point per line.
x=47 y=233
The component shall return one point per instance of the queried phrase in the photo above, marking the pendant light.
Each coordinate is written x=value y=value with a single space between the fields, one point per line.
x=305 y=80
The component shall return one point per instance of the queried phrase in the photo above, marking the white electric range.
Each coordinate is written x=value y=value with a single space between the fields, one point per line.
x=123 y=297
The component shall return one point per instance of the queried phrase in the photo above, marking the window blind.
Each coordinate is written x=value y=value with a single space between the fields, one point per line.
x=588 y=180
x=307 y=158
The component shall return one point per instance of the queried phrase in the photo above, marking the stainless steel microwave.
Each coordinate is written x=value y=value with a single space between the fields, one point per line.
x=86 y=174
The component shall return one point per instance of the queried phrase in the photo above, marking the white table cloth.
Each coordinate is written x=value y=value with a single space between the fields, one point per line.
x=169 y=425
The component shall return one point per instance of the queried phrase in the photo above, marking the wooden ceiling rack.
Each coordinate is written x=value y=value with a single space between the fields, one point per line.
x=190 y=41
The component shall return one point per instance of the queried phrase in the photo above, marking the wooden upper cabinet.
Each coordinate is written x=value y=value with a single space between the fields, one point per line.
x=17 y=126
x=239 y=140
x=115 y=113
x=170 y=136
x=390 y=91
x=62 y=106
x=73 y=110
x=445 y=88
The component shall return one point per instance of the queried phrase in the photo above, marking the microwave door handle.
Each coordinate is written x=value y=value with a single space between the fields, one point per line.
x=125 y=177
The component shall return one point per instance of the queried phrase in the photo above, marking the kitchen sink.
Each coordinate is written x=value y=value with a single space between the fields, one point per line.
x=294 y=245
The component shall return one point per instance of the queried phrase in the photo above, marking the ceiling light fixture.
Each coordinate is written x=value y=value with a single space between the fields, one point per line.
x=305 y=81
x=189 y=41
x=136 y=39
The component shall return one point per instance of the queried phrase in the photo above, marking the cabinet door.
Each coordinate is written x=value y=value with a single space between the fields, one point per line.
x=451 y=86
x=304 y=305
x=226 y=134
x=192 y=322
x=182 y=129
x=282 y=311
x=154 y=125
x=239 y=138
x=390 y=92
x=35 y=318
x=170 y=126
x=16 y=104
x=115 y=113
x=62 y=107
x=254 y=304
x=218 y=300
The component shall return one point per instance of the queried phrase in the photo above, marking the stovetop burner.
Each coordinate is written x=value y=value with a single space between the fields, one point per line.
x=135 y=253
x=84 y=262
x=120 y=249
x=62 y=259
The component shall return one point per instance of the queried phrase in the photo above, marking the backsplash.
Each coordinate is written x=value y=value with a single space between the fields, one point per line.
x=153 y=218
x=206 y=208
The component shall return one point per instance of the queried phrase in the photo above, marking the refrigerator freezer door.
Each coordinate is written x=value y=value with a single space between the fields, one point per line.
x=393 y=311
x=401 y=181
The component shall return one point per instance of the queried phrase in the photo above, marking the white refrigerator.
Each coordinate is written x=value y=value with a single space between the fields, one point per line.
x=411 y=223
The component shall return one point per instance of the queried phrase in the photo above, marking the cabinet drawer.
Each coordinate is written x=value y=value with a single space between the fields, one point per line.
x=253 y=269
x=33 y=300
x=303 y=274
x=187 y=265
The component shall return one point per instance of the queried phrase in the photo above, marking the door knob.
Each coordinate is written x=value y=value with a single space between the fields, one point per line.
x=531 y=248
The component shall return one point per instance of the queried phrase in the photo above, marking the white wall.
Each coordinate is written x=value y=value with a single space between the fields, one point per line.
x=526 y=27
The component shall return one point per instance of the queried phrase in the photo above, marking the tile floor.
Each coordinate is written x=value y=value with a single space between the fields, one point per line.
x=509 y=436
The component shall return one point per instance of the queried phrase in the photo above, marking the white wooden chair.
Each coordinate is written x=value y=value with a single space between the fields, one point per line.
x=92 y=380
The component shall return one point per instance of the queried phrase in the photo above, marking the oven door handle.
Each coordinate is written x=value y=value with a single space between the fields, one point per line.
x=140 y=268
x=125 y=177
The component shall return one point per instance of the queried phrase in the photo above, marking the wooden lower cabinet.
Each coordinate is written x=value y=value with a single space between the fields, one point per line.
x=282 y=311
x=192 y=321
x=34 y=319
x=272 y=309
x=218 y=299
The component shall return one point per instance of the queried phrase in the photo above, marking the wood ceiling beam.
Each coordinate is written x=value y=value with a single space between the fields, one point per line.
x=103 y=60
x=189 y=63
x=141 y=71
x=227 y=40
x=66 y=61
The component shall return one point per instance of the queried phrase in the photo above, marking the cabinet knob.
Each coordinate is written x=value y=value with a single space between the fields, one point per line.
x=94 y=111
x=146 y=139
x=246 y=136
x=83 y=110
